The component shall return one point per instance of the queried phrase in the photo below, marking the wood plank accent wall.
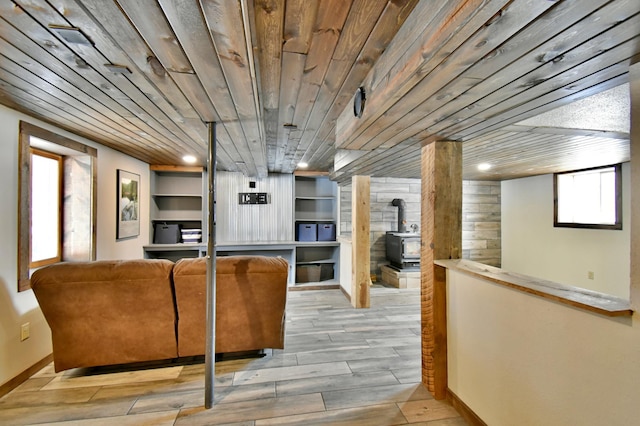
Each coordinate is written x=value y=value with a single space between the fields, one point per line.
x=441 y=239
x=481 y=222
x=384 y=216
x=481 y=217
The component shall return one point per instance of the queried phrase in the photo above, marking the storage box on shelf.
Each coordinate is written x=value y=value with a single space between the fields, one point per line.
x=315 y=273
x=307 y=273
x=316 y=215
x=307 y=232
x=177 y=212
x=165 y=233
x=326 y=232
x=191 y=235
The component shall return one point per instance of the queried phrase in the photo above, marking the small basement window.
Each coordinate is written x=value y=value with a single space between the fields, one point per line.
x=56 y=199
x=590 y=198
x=46 y=208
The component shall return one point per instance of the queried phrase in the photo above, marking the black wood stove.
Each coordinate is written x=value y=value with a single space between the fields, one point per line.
x=402 y=247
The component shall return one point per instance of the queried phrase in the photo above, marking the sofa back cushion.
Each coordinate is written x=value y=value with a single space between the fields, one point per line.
x=251 y=294
x=108 y=312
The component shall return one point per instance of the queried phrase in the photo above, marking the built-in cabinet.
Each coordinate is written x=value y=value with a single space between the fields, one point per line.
x=316 y=219
x=177 y=197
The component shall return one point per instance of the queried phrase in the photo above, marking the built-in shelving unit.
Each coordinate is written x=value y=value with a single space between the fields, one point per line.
x=178 y=197
x=316 y=219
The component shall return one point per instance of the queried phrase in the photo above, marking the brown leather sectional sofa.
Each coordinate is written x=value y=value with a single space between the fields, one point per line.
x=116 y=312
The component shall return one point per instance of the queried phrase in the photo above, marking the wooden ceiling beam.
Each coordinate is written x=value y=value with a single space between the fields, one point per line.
x=485 y=37
x=417 y=48
x=346 y=73
x=269 y=26
x=553 y=80
x=329 y=30
x=226 y=26
x=187 y=22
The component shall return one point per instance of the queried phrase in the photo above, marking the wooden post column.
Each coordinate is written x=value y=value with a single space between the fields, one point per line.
x=360 y=254
x=441 y=223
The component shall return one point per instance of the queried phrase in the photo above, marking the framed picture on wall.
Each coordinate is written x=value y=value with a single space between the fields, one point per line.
x=128 y=205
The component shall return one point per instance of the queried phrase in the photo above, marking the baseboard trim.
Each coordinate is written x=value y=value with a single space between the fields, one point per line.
x=464 y=410
x=24 y=376
x=306 y=287
x=347 y=295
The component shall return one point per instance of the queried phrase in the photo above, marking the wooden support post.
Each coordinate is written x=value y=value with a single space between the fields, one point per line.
x=441 y=223
x=361 y=256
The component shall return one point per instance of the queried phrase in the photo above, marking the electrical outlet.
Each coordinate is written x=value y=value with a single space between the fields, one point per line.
x=25 y=331
x=590 y=275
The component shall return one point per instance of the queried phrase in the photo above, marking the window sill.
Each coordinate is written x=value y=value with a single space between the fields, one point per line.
x=588 y=300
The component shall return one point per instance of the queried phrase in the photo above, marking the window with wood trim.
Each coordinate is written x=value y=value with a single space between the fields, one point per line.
x=76 y=207
x=590 y=198
x=45 y=244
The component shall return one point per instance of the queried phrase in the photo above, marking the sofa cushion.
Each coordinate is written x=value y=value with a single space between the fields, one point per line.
x=108 y=312
x=251 y=293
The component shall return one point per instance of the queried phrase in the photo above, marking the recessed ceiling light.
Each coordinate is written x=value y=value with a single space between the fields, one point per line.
x=303 y=165
x=484 y=166
x=189 y=159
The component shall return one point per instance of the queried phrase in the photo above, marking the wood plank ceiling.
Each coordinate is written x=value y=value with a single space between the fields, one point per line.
x=279 y=77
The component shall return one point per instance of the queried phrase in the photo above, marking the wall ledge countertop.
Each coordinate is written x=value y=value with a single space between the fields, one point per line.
x=577 y=297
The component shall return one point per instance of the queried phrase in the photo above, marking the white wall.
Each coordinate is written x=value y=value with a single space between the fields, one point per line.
x=518 y=359
x=19 y=308
x=109 y=161
x=532 y=246
x=346 y=265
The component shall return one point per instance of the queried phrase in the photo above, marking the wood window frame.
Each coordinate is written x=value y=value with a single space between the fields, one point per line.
x=27 y=130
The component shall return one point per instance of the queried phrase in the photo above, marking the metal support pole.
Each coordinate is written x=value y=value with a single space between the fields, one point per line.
x=210 y=350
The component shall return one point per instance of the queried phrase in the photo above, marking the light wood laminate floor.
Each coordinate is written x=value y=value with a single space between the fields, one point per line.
x=341 y=366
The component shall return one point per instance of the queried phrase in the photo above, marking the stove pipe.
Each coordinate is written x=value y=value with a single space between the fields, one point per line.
x=402 y=218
